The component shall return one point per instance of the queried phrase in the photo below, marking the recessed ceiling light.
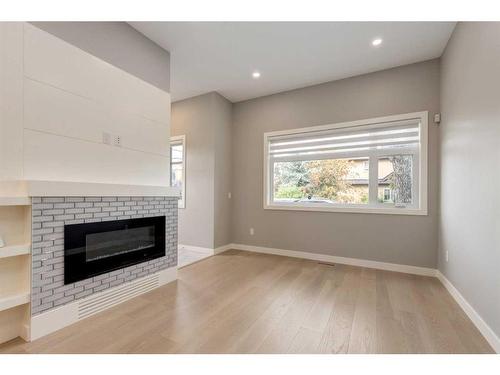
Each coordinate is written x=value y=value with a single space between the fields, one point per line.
x=376 y=42
x=256 y=75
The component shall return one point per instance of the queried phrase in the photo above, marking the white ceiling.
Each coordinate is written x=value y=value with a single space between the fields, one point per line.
x=221 y=56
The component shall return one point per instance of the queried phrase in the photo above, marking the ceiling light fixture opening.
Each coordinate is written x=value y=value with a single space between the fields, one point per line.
x=255 y=75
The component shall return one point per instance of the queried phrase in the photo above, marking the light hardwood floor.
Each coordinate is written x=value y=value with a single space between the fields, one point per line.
x=240 y=302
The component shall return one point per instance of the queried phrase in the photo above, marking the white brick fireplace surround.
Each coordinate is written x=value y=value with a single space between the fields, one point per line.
x=50 y=214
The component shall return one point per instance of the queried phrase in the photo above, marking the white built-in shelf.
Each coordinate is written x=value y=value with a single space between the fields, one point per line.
x=15 y=201
x=12 y=300
x=15 y=250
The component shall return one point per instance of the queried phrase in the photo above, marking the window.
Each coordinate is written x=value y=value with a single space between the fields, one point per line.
x=177 y=166
x=387 y=195
x=376 y=165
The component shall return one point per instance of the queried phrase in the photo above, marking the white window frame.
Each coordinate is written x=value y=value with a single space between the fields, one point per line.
x=175 y=140
x=419 y=170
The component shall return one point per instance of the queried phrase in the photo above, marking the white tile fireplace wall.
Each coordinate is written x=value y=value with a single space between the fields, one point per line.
x=50 y=214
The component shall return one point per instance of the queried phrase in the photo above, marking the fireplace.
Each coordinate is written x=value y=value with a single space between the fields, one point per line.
x=93 y=249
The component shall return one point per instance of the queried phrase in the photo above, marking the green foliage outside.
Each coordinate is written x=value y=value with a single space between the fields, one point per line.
x=290 y=192
x=326 y=179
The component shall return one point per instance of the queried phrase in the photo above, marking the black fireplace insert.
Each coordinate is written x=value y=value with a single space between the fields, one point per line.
x=92 y=249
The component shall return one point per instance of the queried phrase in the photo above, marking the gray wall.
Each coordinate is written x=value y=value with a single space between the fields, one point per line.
x=118 y=44
x=192 y=118
x=205 y=120
x=470 y=162
x=223 y=170
x=400 y=239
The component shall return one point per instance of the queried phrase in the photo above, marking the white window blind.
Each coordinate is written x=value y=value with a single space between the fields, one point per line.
x=387 y=137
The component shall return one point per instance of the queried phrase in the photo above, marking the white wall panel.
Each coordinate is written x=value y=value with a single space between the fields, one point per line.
x=11 y=84
x=58 y=158
x=141 y=134
x=55 y=62
x=70 y=99
x=56 y=111
x=52 y=110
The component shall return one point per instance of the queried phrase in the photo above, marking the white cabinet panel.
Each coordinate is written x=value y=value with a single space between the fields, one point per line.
x=56 y=111
x=56 y=158
x=55 y=62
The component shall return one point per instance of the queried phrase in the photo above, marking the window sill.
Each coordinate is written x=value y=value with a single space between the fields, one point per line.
x=355 y=209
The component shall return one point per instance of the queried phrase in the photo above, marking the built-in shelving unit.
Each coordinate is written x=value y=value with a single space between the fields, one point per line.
x=14 y=300
x=15 y=267
x=15 y=250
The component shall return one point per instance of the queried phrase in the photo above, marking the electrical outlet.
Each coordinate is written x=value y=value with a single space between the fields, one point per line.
x=252 y=232
x=446 y=255
x=106 y=138
x=117 y=141
x=229 y=195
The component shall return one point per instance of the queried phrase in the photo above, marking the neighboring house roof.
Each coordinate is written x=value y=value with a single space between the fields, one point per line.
x=364 y=181
x=387 y=179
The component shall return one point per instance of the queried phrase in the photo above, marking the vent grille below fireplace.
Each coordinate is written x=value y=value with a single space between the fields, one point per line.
x=104 y=300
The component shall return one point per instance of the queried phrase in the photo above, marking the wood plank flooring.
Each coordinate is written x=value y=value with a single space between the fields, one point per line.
x=241 y=302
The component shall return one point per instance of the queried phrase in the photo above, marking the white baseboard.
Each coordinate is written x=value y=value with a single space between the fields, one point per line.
x=66 y=315
x=198 y=249
x=206 y=250
x=473 y=315
x=221 y=249
x=341 y=260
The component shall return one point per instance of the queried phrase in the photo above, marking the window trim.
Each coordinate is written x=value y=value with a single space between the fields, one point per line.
x=353 y=208
x=179 y=139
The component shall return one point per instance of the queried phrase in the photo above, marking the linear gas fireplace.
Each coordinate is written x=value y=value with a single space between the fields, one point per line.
x=93 y=249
